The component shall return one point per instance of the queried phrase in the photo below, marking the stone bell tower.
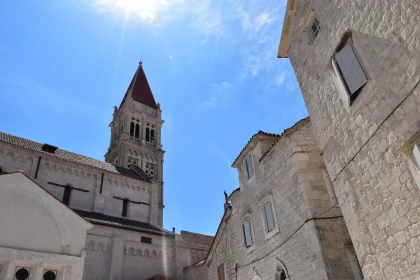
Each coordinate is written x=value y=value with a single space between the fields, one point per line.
x=136 y=134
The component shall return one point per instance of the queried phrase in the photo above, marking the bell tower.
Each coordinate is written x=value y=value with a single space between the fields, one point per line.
x=136 y=134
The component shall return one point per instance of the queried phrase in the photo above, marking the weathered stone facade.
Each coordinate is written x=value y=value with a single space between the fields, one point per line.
x=310 y=239
x=366 y=145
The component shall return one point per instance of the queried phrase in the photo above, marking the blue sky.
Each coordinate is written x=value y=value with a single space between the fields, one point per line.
x=211 y=64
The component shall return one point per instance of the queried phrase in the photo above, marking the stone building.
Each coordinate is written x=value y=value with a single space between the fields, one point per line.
x=122 y=197
x=27 y=249
x=283 y=221
x=357 y=63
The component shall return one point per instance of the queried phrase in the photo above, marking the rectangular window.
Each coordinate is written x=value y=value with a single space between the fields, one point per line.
x=221 y=272
x=350 y=71
x=269 y=221
x=247 y=233
x=147 y=240
x=249 y=167
x=66 y=195
x=125 y=208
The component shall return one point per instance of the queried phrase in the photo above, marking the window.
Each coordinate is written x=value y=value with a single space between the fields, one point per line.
x=147 y=240
x=221 y=272
x=22 y=273
x=137 y=131
x=152 y=136
x=131 y=129
x=246 y=226
x=50 y=275
x=249 y=167
x=147 y=134
x=268 y=215
x=315 y=27
x=125 y=207
x=66 y=195
x=349 y=75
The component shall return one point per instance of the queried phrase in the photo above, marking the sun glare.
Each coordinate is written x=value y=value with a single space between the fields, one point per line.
x=147 y=10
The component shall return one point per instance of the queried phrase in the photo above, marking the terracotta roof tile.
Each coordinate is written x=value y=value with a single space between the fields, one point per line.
x=72 y=157
x=285 y=132
x=260 y=132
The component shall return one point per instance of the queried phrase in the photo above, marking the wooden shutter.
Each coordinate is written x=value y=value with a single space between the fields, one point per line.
x=249 y=166
x=351 y=69
x=339 y=82
x=221 y=272
x=268 y=210
x=247 y=233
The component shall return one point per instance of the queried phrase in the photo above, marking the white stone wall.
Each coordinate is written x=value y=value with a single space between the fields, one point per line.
x=308 y=247
x=376 y=191
x=55 y=170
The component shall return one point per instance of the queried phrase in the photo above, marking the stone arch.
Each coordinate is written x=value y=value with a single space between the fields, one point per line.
x=101 y=246
x=91 y=245
x=146 y=253
x=280 y=271
x=139 y=252
x=130 y=250
x=58 y=219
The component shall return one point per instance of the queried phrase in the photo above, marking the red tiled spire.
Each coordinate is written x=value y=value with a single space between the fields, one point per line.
x=140 y=90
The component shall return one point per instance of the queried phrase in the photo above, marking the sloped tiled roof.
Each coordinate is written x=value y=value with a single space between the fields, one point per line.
x=140 y=89
x=72 y=157
x=285 y=132
x=259 y=133
x=123 y=223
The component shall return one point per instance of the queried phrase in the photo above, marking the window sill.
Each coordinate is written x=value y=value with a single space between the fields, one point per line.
x=272 y=233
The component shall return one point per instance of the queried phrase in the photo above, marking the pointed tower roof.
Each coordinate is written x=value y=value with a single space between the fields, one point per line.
x=139 y=89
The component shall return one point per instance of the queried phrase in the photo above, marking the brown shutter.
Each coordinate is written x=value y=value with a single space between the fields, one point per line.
x=221 y=272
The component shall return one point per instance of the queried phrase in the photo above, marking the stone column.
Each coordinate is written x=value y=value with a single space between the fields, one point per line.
x=117 y=259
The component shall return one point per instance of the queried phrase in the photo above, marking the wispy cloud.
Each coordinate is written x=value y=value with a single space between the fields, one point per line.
x=220 y=94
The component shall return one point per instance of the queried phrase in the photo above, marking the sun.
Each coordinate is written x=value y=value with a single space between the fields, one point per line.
x=147 y=10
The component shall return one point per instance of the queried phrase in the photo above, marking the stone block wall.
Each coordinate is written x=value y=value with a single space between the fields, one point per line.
x=311 y=238
x=377 y=193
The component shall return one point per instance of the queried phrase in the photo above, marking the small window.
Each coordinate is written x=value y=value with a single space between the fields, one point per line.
x=137 y=131
x=349 y=74
x=131 y=129
x=147 y=240
x=269 y=220
x=50 y=275
x=221 y=272
x=67 y=195
x=249 y=167
x=125 y=207
x=22 y=273
x=246 y=226
x=147 y=134
x=152 y=136
x=315 y=27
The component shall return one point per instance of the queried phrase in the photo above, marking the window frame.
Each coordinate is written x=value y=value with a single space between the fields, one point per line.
x=250 y=233
x=245 y=164
x=218 y=268
x=340 y=81
x=261 y=204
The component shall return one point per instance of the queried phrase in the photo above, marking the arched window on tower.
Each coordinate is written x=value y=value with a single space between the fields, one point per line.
x=152 y=136
x=137 y=131
x=147 y=135
x=131 y=129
